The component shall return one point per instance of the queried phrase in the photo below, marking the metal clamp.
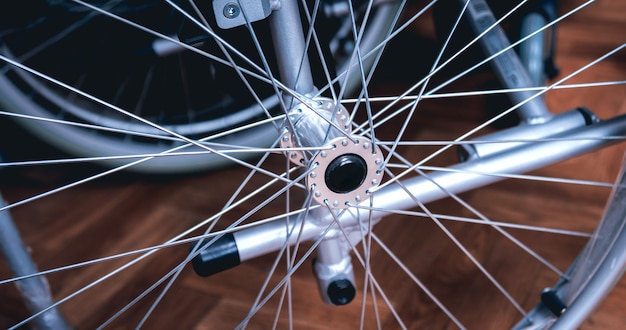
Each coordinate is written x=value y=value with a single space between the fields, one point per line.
x=233 y=13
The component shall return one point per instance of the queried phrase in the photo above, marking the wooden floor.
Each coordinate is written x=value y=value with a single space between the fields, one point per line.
x=125 y=212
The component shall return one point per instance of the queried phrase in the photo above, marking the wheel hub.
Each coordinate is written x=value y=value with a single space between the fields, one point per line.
x=346 y=173
x=343 y=167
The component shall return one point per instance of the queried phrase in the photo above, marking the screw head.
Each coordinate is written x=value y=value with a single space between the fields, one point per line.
x=231 y=10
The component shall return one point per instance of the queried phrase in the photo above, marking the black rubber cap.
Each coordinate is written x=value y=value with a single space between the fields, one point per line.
x=341 y=292
x=345 y=173
x=550 y=299
x=219 y=256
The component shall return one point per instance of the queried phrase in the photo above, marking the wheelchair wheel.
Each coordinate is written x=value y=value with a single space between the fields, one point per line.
x=341 y=201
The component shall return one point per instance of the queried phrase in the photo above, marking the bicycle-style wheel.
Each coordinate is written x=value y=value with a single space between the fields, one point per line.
x=145 y=74
x=352 y=208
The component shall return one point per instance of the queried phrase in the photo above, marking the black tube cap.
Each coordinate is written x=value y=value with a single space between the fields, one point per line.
x=219 y=256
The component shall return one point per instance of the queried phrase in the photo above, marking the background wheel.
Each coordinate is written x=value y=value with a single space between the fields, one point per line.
x=148 y=76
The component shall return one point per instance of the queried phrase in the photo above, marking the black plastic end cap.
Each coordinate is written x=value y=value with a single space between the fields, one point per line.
x=219 y=256
x=345 y=173
x=341 y=292
x=552 y=301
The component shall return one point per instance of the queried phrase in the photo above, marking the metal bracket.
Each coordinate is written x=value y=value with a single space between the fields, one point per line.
x=233 y=13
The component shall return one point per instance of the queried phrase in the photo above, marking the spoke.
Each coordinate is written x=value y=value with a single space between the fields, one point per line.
x=464 y=250
x=419 y=283
x=291 y=259
x=181 y=241
x=524 y=177
x=405 y=95
x=386 y=99
x=118 y=169
x=278 y=184
x=197 y=250
x=338 y=224
x=409 y=116
x=478 y=221
x=444 y=64
x=488 y=122
x=497 y=228
x=258 y=75
x=312 y=33
x=237 y=69
x=366 y=241
x=289 y=273
x=377 y=49
x=489 y=58
x=485 y=219
x=516 y=140
x=356 y=55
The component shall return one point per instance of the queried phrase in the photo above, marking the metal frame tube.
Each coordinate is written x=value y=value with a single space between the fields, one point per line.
x=459 y=178
x=507 y=66
x=34 y=290
x=290 y=47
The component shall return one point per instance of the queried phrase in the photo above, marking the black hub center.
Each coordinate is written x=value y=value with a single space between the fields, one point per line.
x=345 y=173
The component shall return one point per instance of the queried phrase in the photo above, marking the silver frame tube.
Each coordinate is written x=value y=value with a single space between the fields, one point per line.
x=437 y=185
x=507 y=66
x=290 y=48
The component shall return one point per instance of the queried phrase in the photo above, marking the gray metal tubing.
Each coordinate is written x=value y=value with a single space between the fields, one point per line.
x=289 y=45
x=524 y=158
x=34 y=290
x=532 y=53
x=559 y=123
x=462 y=177
x=507 y=66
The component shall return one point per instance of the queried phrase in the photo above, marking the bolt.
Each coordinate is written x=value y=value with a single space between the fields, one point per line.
x=231 y=10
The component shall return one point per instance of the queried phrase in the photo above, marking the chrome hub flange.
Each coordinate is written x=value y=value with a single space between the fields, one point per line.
x=311 y=124
x=346 y=173
x=344 y=167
